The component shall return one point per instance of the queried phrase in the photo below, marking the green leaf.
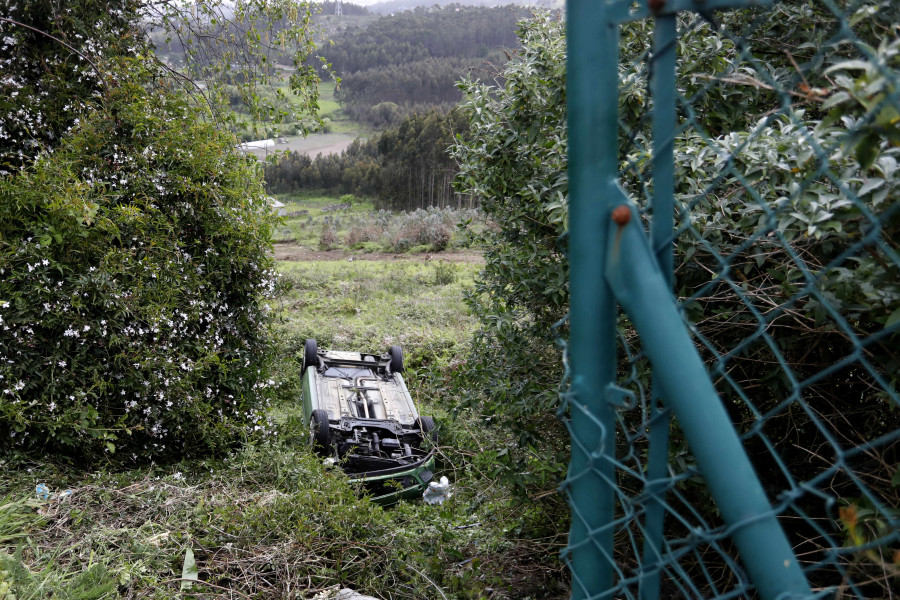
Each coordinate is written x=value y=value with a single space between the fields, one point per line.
x=189 y=570
x=849 y=65
x=867 y=150
x=893 y=319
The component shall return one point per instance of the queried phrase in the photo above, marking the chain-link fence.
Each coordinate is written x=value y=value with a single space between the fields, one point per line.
x=740 y=436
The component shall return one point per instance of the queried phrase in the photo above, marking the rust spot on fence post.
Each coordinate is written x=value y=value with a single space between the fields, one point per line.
x=621 y=215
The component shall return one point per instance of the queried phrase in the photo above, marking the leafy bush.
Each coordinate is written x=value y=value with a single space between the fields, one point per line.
x=444 y=273
x=789 y=181
x=514 y=161
x=134 y=260
x=432 y=227
x=328 y=238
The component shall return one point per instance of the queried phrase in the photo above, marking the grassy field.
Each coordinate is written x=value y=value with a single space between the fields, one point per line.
x=269 y=520
x=339 y=130
x=336 y=122
x=370 y=305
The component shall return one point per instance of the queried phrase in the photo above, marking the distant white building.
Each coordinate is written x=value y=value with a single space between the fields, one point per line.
x=280 y=208
x=257 y=145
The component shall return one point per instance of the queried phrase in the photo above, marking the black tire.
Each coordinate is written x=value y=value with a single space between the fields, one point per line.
x=396 y=354
x=426 y=424
x=310 y=355
x=321 y=434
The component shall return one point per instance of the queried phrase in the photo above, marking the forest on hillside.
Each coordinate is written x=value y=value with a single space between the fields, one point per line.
x=404 y=167
x=395 y=6
x=412 y=60
x=400 y=75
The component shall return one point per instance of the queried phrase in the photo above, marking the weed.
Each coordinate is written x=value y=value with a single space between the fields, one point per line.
x=444 y=273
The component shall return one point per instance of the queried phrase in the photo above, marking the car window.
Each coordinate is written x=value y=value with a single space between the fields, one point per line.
x=349 y=373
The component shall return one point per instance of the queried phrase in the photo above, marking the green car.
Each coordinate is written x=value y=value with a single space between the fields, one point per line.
x=361 y=417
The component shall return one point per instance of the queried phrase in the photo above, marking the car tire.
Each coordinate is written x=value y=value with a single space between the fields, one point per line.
x=426 y=424
x=321 y=434
x=396 y=354
x=310 y=355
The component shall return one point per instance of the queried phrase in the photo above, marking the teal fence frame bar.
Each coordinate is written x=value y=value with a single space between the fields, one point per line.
x=641 y=289
x=592 y=344
x=610 y=262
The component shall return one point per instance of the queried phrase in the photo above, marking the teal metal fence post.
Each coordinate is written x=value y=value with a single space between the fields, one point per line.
x=592 y=157
x=616 y=251
x=662 y=91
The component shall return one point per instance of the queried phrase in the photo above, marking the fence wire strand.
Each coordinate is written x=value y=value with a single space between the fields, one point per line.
x=787 y=274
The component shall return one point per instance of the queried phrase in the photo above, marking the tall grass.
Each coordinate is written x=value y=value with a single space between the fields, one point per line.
x=269 y=520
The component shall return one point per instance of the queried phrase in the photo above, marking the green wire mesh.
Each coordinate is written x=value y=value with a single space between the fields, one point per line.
x=787 y=273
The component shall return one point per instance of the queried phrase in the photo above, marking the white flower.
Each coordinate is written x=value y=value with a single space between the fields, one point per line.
x=62 y=363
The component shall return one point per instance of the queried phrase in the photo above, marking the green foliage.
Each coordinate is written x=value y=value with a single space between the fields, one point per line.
x=17 y=518
x=20 y=583
x=770 y=187
x=239 y=48
x=360 y=228
x=514 y=160
x=134 y=259
x=52 y=65
x=444 y=273
x=56 y=61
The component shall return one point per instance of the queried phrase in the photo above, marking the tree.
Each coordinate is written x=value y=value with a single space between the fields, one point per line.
x=403 y=168
x=134 y=244
x=513 y=160
x=52 y=66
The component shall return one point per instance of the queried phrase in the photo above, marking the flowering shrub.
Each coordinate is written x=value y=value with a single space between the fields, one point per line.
x=432 y=227
x=43 y=84
x=134 y=258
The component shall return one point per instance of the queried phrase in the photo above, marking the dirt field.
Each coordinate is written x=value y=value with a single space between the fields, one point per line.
x=293 y=252
x=313 y=144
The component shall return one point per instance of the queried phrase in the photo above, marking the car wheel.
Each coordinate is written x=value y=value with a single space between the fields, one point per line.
x=310 y=355
x=426 y=424
x=321 y=434
x=396 y=354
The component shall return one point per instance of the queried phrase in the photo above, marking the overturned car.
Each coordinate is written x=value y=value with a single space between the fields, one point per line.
x=361 y=415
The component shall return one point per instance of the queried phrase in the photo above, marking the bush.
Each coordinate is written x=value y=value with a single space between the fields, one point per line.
x=361 y=234
x=328 y=238
x=444 y=273
x=432 y=228
x=134 y=258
